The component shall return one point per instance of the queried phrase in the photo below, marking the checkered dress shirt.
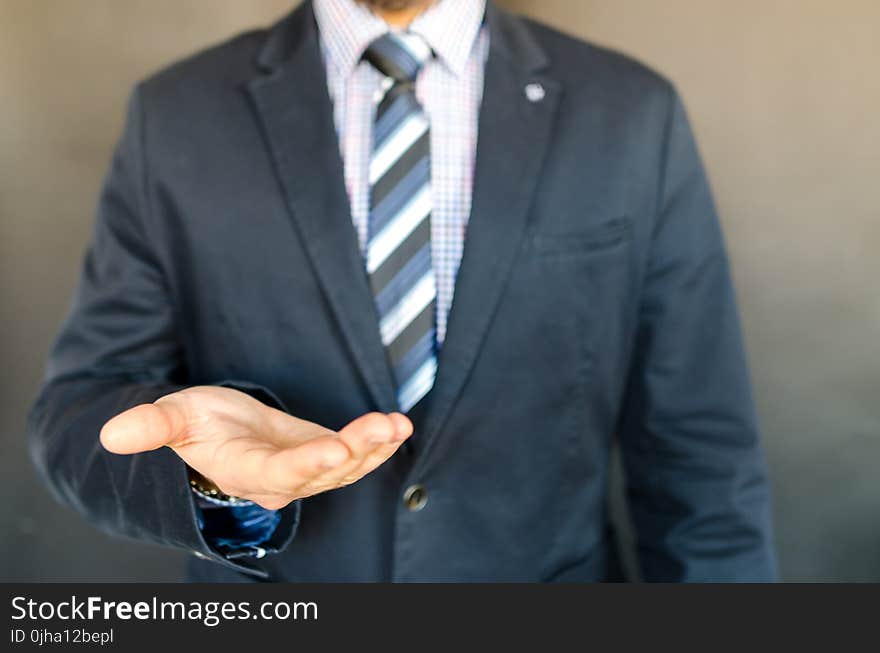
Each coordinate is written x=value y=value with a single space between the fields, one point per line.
x=449 y=88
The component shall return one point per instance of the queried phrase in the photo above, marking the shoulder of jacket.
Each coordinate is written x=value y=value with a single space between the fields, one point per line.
x=219 y=66
x=578 y=61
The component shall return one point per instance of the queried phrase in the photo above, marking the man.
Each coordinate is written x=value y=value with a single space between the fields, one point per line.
x=370 y=295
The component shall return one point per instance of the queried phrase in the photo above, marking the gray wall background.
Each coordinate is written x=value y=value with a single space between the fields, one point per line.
x=784 y=96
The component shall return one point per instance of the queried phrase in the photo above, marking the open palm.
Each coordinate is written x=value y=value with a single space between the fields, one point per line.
x=253 y=451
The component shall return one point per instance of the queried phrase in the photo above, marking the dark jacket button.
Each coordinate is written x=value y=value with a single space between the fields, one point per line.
x=415 y=497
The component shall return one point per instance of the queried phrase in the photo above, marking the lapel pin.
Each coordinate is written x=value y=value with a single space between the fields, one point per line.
x=535 y=92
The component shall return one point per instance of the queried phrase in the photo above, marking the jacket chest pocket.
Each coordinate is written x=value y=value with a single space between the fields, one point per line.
x=572 y=290
x=610 y=235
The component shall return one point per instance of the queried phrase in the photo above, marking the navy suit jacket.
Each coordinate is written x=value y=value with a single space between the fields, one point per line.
x=594 y=302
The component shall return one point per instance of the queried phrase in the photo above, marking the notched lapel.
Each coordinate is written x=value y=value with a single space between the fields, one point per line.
x=294 y=107
x=516 y=119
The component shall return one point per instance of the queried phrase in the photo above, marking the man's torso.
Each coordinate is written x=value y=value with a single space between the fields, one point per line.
x=252 y=225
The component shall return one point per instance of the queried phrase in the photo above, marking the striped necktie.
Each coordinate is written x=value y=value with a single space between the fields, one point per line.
x=399 y=244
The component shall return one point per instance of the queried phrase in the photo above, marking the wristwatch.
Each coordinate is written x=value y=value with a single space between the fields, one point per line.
x=206 y=489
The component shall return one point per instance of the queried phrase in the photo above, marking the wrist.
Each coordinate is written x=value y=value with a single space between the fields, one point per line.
x=206 y=489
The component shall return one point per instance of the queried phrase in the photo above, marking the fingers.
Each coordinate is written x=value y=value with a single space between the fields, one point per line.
x=293 y=471
x=332 y=461
x=403 y=425
x=382 y=451
x=145 y=427
x=253 y=465
x=374 y=429
x=372 y=461
x=372 y=439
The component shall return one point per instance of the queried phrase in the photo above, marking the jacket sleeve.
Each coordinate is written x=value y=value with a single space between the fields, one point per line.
x=119 y=348
x=696 y=480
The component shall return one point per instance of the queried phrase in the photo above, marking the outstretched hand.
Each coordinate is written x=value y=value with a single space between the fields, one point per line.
x=252 y=451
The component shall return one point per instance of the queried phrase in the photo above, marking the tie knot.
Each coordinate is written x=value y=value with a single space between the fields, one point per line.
x=398 y=56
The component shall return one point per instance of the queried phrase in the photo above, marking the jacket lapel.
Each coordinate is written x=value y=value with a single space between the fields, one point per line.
x=293 y=104
x=514 y=131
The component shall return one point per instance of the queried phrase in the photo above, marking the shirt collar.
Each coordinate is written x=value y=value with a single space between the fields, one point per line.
x=450 y=27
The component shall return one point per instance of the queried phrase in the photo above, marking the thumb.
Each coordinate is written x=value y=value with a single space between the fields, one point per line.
x=145 y=427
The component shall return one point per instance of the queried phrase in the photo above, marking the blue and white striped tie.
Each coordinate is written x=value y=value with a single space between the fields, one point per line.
x=399 y=244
